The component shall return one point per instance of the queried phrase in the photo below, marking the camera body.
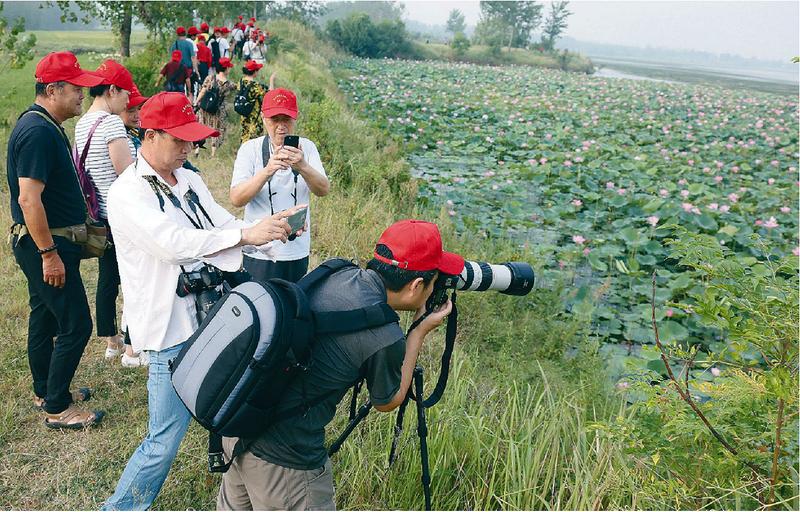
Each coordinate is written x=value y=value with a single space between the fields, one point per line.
x=204 y=284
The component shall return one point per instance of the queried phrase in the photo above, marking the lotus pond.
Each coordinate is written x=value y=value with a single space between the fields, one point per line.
x=590 y=175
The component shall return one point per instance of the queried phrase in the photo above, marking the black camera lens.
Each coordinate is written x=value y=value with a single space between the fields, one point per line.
x=522 y=278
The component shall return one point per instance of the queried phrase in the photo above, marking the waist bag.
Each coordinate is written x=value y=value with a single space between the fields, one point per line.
x=233 y=371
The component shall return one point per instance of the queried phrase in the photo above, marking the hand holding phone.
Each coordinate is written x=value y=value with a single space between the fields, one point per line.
x=297 y=220
x=292 y=141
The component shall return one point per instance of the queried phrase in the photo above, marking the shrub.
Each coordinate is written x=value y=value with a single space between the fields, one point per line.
x=357 y=34
x=459 y=44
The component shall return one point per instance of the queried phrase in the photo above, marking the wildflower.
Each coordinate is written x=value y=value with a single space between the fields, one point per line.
x=578 y=239
x=652 y=220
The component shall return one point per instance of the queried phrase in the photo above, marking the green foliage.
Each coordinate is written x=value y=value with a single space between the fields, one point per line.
x=377 y=10
x=459 y=44
x=511 y=22
x=16 y=48
x=357 y=34
x=490 y=33
x=455 y=22
x=555 y=23
x=146 y=65
x=305 y=12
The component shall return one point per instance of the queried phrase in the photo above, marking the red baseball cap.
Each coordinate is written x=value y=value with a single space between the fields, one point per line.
x=201 y=38
x=173 y=113
x=225 y=62
x=252 y=65
x=279 y=101
x=252 y=19
x=176 y=55
x=251 y=23
x=136 y=98
x=180 y=31
x=217 y=29
x=417 y=245
x=64 y=67
x=114 y=73
x=193 y=31
x=204 y=26
x=225 y=29
x=241 y=17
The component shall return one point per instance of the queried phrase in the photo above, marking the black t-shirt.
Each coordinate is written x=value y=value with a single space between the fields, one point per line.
x=39 y=150
x=299 y=442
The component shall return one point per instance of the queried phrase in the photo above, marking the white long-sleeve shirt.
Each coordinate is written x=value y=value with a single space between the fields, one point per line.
x=151 y=246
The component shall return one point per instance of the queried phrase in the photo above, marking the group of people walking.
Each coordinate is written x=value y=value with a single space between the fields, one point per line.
x=164 y=221
x=200 y=65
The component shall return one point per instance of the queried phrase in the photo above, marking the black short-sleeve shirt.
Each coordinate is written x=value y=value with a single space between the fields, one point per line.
x=39 y=150
x=299 y=442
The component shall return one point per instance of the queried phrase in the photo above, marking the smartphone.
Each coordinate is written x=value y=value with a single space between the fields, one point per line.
x=297 y=220
x=292 y=140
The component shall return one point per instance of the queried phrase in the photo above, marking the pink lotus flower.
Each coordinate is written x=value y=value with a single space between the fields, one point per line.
x=684 y=193
x=771 y=181
x=542 y=160
x=578 y=239
x=733 y=197
x=682 y=182
x=718 y=179
x=577 y=202
x=771 y=223
x=785 y=209
x=567 y=163
x=449 y=202
x=715 y=371
x=724 y=208
x=652 y=220
x=622 y=191
x=759 y=222
x=610 y=185
x=623 y=385
x=669 y=313
x=713 y=206
x=796 y=251
x=687 y=207
x=489 y=174
x=586 y=251
x=532 y=161
x=735 y=169
x=663 y=192
x=774 y=163
x=451 y=212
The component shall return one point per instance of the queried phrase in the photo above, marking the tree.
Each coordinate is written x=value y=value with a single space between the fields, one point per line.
x=516 y=20
x=459 y=44
x=358 y=35
x=16 y=49
x=489 y=32
x=377 y=11
x=455 y=23
x=305 y=12
x=555 y=24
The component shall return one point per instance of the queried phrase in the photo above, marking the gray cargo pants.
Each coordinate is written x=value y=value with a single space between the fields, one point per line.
x=255 y=484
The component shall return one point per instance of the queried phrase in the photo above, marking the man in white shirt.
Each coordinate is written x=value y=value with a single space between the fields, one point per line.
x=269 y=177
x=164 y=222
x=224 y=45
x=238 y=39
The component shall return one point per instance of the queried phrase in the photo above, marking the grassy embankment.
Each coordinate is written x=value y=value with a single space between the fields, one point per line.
x=478 y=54
x=511 y=432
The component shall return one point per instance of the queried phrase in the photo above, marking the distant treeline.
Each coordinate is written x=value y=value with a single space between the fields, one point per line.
x=43 y=16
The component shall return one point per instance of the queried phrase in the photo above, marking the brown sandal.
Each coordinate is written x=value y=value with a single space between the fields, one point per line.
x=73 y=418
x=79 y=395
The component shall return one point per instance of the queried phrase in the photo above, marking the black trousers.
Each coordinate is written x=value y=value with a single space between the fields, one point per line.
x=261 y=270
x=107 y=293
x=59 y=325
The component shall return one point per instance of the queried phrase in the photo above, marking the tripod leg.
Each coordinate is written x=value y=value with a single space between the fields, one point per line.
x=362 y=413
x=398 y=429
x=422 y=432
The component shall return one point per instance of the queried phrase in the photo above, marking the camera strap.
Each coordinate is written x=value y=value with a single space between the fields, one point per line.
x=161 y=190
x=266 y=154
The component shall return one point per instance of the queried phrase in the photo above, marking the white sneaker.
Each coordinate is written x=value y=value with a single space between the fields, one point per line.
x=134 y=361
x=111 y=353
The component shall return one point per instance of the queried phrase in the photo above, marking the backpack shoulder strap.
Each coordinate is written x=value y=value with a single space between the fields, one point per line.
x=85 y=152
x=325 y=269
x=265 y=151
x=340 y=322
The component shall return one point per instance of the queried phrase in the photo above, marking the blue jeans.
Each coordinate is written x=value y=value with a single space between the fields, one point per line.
x=149 y=465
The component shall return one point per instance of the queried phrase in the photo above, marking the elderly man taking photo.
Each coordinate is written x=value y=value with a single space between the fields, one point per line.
x=270 y=176
x=166 y=223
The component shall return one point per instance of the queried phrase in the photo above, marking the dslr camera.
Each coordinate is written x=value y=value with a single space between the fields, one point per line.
x=510 y=278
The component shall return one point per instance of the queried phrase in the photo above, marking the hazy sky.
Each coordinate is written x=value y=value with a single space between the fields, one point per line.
x=766 y=30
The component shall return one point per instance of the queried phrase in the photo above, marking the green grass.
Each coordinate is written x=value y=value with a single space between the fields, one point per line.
x=479 y=54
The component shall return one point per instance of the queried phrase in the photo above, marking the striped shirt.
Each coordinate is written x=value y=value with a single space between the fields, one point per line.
x=98 y=160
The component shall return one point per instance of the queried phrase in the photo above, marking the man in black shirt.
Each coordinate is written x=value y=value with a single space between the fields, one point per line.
x=287 y=467
x=46 y=200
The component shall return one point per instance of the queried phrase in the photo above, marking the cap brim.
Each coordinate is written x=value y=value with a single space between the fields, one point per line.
x=192 y=132
x=451 y=264
x=138 y=100
x=85 y=79
x=272 y=112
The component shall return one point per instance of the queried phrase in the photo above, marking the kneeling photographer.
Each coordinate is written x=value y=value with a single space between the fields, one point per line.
x=287 y=467
x=170 y=235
